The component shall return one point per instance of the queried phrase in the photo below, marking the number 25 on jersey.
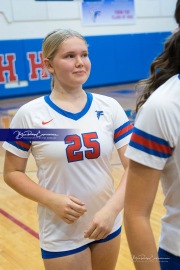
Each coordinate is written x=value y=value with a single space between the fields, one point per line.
x=75 y=143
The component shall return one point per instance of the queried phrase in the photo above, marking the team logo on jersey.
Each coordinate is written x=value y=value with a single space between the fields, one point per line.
x=46 y=122
x=99 y=113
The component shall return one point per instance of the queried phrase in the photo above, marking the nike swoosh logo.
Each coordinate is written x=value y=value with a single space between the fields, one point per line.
x=44 y=123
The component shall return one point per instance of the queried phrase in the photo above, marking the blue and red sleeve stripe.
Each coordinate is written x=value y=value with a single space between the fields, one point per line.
x=22 y=145
x=150 y=144
x=123 y=131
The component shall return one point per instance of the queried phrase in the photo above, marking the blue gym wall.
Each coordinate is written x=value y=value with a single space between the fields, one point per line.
x=116 y=59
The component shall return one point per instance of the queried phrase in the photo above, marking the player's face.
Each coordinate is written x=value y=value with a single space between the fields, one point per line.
x=71 y=64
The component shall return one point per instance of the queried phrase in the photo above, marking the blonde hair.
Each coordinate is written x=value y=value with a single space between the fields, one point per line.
x=53 y=40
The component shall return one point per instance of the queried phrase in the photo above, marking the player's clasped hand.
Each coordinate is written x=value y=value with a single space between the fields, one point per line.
x=68 y=208
x=101 y=225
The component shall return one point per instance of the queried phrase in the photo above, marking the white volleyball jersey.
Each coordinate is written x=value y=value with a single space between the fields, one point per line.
x=79 y=165
x=155 y=142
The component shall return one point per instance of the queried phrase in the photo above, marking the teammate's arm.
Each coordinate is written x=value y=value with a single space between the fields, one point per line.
x=142 y=185
x=66 y=207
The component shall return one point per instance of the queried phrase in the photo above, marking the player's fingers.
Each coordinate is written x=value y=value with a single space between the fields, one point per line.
x=81 y=210
x=75 y=213
x=96 y=234
x=70 y=219
x=78 y=206
x=76 y=201
x=89 y=231
x=101 y=235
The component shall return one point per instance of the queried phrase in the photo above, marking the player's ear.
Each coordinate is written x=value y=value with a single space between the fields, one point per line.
x=48 y=65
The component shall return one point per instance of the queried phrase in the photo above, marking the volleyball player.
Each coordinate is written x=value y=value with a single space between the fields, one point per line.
x=154 y=153
x=79 y=210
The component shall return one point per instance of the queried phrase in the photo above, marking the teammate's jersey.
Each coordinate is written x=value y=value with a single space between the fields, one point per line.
x=155 y=142
x=79 y=166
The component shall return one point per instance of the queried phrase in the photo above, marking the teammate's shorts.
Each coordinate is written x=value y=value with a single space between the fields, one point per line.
x=168 y=261
x=51 y=255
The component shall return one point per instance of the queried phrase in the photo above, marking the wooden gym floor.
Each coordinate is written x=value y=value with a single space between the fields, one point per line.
x=19 y=245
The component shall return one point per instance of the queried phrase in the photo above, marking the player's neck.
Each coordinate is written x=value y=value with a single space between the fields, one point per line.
x=68 y=95
x=71 y=102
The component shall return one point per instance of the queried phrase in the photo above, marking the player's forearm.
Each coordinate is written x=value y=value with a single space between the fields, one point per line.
x=116 y=202
x=22 y=184
x=141 y=242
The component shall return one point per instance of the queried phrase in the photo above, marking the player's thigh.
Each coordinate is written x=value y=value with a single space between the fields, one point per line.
x=104 y=255
x=80 y=261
